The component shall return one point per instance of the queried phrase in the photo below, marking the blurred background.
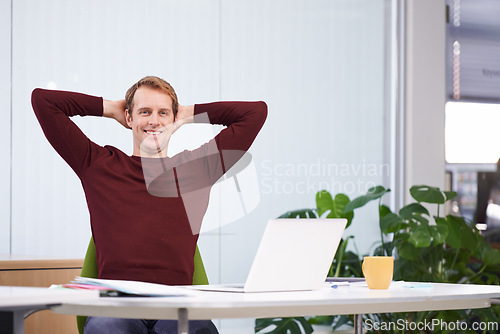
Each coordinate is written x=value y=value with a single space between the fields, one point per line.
x=360 y=93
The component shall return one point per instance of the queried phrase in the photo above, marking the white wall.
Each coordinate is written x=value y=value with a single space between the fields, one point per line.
x=5 y=125
x=97 y=48
x=425 y=93
x=319 y=66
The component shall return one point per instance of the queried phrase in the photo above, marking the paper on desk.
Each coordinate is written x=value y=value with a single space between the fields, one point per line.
x=135 y=287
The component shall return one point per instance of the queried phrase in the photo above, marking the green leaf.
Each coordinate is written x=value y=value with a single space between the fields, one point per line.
x=410 y=210
x=427 y=194
x=349 y=216
x=420 y=237
x=324 y=202
x=372 y=194
x=421 y=219
x=406 y=250
x=454 y=237
x=450 y=195
x=351 y=265
x=284 y=325
x=491 y=257
x=260 y=324
x=321 y=320
x=491 y=279
x=384 y=210
x=341 y=321
x=441 y=221
x=391 y=223
x=293 y=327
x=303 y=213
x=339 y=204
x=308 y=329
x=337 y=211
x=461 y=235
x=439 y=233
x=413 y=225
x=469 y=238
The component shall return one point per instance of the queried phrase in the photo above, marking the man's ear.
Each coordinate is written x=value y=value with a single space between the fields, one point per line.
x=128 y=118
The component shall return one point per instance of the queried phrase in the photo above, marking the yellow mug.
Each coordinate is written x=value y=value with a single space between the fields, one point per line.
x=378 y=271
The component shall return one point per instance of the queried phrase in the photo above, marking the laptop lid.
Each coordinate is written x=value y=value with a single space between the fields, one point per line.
x=295 y=254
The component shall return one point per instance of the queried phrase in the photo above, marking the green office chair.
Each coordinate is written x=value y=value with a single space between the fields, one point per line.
x=89 y=269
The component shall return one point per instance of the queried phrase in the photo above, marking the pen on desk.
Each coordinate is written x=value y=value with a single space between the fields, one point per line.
x=337 y=284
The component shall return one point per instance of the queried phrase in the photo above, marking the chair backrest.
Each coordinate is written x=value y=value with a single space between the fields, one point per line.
x=89 y=269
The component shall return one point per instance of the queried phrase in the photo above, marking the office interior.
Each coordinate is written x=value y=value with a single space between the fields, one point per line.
x=358 y=93
x=472 y=107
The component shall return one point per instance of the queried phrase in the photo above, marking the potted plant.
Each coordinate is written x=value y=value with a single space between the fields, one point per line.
x=430 y=248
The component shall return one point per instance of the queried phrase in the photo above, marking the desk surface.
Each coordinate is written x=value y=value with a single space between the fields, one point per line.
x=400 y=297
x=13 y=297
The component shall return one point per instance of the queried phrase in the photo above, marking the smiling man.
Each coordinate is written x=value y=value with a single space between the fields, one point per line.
x=151 y=109
x=144 y=220
x=150 y=121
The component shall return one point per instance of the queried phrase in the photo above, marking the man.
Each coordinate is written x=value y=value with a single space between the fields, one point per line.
x=146 y=209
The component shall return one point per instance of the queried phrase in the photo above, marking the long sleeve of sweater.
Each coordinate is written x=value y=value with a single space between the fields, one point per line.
x=53 y=110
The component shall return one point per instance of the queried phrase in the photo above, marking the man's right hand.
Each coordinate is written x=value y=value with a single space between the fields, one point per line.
x=115 y=110
x=185 y=115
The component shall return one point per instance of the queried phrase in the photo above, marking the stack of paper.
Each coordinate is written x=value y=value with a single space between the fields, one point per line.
x=128 y=287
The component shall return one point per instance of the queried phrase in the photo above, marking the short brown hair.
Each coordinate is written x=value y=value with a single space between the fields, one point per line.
x=153 y=82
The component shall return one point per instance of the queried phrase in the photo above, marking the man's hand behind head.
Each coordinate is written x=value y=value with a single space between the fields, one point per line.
x=185 y=115
x=115 y=110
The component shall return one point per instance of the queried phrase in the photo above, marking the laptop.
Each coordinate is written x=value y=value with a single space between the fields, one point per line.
x=294 y=254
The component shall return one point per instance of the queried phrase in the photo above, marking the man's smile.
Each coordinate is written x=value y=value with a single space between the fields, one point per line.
x=153 y=132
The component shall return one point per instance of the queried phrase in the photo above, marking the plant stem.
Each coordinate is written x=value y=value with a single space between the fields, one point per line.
x=454 y=259
x=381 y=233
x=441 y=271
x=341 y=255
x=425 y=268
x=475 y=275
x=433 y=265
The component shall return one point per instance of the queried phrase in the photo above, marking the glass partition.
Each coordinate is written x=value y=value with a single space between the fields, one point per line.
x=323 y=68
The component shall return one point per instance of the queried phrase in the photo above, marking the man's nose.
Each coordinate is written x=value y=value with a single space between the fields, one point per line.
x=153 y=119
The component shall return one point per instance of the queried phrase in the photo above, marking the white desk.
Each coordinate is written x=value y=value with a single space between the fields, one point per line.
x=37 y=271
x=18 y=302
x=343 y=300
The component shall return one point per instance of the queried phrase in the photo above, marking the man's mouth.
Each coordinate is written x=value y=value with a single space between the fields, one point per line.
x=153 y=132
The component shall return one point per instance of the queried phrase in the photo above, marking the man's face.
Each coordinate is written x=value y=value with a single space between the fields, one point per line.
x=151 y=120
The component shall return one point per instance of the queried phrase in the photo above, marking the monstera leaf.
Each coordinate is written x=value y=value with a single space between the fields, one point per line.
x=427 y=194
x=335 y=207
x=303 y=213
x=298 y=325
x=372 y=194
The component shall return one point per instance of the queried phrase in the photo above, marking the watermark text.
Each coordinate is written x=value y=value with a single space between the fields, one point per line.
x=429 y=325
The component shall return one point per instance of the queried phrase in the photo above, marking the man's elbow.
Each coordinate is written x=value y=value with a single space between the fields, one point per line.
x=38 y=95
x=35 y=94
x=261 y=111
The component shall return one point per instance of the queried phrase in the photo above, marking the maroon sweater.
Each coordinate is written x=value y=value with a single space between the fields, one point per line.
x=146 y=229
